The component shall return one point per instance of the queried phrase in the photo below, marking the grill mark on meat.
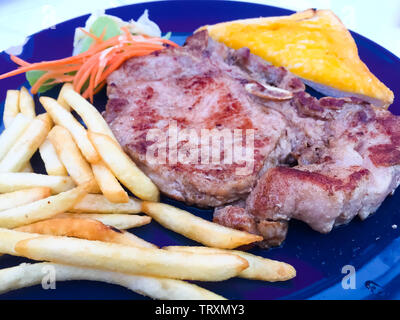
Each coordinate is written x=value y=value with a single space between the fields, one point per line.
x=194 y=85
x=330 y=184
x=390 y=125
x=229 y=109
x=115 y=106
x=384 y=155
x=141 y=145
x=148 y=93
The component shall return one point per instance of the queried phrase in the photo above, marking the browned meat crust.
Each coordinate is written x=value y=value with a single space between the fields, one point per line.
x=355 y=167
x=274 y=232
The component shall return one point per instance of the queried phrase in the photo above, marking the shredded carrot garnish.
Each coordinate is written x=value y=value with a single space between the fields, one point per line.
x=19 y=61
x=90 y=35
x=89 y=70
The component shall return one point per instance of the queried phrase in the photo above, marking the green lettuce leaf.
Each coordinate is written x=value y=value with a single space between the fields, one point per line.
x=34 y=75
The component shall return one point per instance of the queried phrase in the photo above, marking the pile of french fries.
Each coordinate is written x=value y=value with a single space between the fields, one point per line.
x=76 y=217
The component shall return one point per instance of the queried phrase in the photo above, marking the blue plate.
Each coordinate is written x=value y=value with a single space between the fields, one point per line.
x=372 y=247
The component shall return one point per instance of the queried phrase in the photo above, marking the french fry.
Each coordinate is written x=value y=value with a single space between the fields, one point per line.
x=52 y=163
x=124 y=169
x=96 y=203
x=14 y=181
x=125 y=259
x=89 y=114
x=11 y=107
x=41 y=209
x=128 y=238
x=195 y=228
x=21 y=197
x=116 y=220
x=70 y=156
x=26 y=104
x=27 y=167
x=259 y=268
x=108 y=184
x=26 y=275
x=27 y=144
x=84 y=229
x=9 y=238
x=65 y=119
x=60 y=99
x=12 y=133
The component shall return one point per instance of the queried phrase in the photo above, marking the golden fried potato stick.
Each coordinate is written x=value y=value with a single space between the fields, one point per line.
x=65 y=119
x=108 y=184
x=259 y=268
x=27 y=144
x=70 y=156
x=116 y=220
x=208 y=233
x=121 y=258
x=12 y=133
x=13 y=181
x=60 y=99
x=21 y=197
x=11 y=107
x=89 y=114
x=97 y=203
x=124 y=169
x=52 y=163
x=41 y=209
x=26 y=275
x=27 y=167
x=26 y=104
x=84 y=229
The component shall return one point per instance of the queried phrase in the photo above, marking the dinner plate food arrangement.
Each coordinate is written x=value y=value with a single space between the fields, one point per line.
x=358 y=260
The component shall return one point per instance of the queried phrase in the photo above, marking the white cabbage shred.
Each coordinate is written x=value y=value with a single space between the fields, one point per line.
x=142 y=26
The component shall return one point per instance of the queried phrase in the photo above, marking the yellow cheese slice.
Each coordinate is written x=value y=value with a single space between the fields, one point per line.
x=314 y=45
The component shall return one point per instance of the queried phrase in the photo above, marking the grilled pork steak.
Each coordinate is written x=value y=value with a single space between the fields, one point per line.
x=320 y=161
x=356 y=168
x=199 y=86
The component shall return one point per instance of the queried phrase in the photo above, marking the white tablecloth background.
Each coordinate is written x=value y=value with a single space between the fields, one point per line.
x=377 y=20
